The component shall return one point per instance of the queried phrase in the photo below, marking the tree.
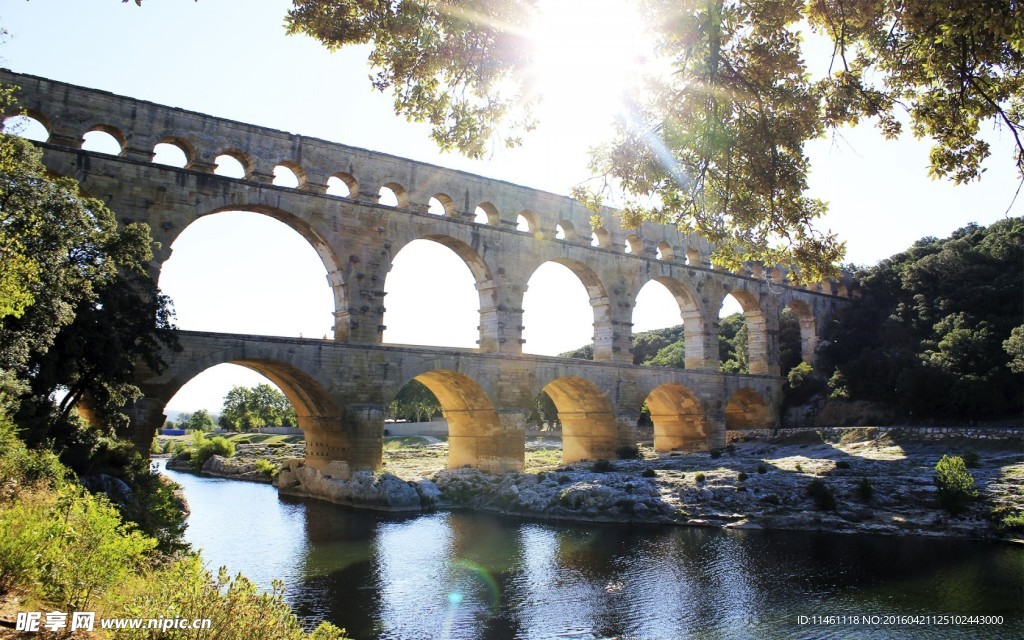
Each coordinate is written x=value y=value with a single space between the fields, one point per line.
x=252 y=408
x=414 y=403
x=714 y=144
x=198 y=421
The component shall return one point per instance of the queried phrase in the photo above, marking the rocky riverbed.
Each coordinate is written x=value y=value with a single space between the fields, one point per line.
x=879 y=482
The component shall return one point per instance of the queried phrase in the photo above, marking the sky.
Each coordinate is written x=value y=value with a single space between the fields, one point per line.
x=232 y=58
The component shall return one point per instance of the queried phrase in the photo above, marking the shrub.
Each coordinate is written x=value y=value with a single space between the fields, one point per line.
x=602 y=466
x=762 y=469
x=741 y=476
x=627 y=452
x=821 y=493
x=843 y=464
x=865 y=490
x=699 y=478
x=716 y=453
x=169 y=446
x=268 y=468
x=563 y=479
x=649 y=473
x=972 y=459
x=203 y=449
x=799 y=467
x=955 y=484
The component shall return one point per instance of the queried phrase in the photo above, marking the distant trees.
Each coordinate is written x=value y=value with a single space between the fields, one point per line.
x=937 y=331
x=201 y=420
x=414 y=403
x=252 y=408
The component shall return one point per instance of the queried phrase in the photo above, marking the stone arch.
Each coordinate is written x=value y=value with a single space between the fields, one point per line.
x=680 y=423
x=319 y=416
x=401 y=195
x=601 y=238
x=446 y=202
x=758 y=358
x=600 y=303
x=532 y=222
x=332 y=262
x=486 y=287
x=343 y=179
x=698 y=355
x=113 y=132
x=589 y=430
x=746 y=409
x=486 y=213
x=633 y=245
x=186 y=148
x=240 y=156
x=475 y=436
x=693 y=258
x=296 y=170
x=31 y=114
x=566 y=230
x=808 y=329
x=665 y=251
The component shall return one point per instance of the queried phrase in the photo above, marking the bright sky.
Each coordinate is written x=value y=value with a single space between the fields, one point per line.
x=231 y=58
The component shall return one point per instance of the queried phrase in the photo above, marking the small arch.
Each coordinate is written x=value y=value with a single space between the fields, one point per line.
x=27 y=124
x=601 y=238
x=777 y=276
x=475 y=436
x=665 y=251
x=441 y=204
x=233 y=163
x=589 y=431
x=486 y=213
x=746 y=409
x=393 y=194
x=564 y=230
x=289 y=174
x=103 y=139
x=680 y=423
x=527 y=221
x=634 y=244
x=342 y=184
x=171 y=153
x=693 y=258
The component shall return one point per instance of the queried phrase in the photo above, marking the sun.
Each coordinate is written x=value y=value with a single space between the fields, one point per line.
x=589 y=56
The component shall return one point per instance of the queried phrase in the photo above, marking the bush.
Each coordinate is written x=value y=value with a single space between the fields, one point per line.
x=203 y=449
x=865 y=490
x=716 y=454
x=602 y=466
x=955 y=484
x=627 y=452
x=762 y=469
x=741 y=476
x=649 y=473
x=268 y=468
x=699 y=478
x=843 y=464
x=972 y=459
x=821 y=493
x=169 y=446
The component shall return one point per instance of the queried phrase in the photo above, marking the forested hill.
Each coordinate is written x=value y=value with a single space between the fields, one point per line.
x=939 y=330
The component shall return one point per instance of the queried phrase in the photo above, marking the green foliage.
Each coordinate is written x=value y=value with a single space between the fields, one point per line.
x=955 y=484
x=544 y=412
x=741 y=476
x=251 y=408
x=660 y=347
x=204 y=448
x=927 y=336
x=732 y=344
x=267 y=468
x=628 y=452
x=649 y=473
x=415 y=403
x=800 y=384
x=843 y=464
x=602 y=466
x=198 y=421
x=699 y=478
x=1014 y=346
x=673 y=355
x=822 y=495
x=971 y=459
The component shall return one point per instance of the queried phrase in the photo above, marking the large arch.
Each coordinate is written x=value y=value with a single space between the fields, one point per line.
x=475 y=436
x=680 y=423
x=808 y=330
x=746 y=409
x=485 y=323
x=589 y=431
x=323 y=251
x=692 y=318
x=597 y=298
x=758 y=357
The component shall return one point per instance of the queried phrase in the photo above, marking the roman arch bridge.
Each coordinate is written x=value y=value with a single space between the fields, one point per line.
x=341 y=386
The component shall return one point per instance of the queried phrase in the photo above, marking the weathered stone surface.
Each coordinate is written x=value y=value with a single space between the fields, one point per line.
x=364 y=490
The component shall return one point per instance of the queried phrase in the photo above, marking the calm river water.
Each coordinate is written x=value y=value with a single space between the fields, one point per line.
x=477 y=576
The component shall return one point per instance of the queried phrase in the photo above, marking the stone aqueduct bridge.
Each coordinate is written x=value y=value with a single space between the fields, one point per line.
x=341 y=387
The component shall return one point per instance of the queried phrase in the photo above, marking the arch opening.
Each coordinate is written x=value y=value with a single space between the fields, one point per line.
x=746 y=409
x=526 y=222
x=601 y=238
x=565 y=231
x=170 y=154
x=633 y=245
x=441 y=204
x=342 y=185
x=289 y=174
x=665 y=251
x=743 y=335
x=475 y=436
x=436 y=294
x=231 y=165
x=26 y=126
x=565 y=304
x=219 y=283
x=103 y=140
x=393 y=194
x=679 y=420
x=797 y=315
x=589 y=430
x=486 y=213
x=693 y=258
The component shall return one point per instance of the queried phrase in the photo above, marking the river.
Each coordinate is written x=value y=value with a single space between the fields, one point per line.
x=463 y=575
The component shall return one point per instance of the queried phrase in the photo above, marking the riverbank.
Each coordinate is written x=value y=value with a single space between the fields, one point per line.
x=868 y=480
